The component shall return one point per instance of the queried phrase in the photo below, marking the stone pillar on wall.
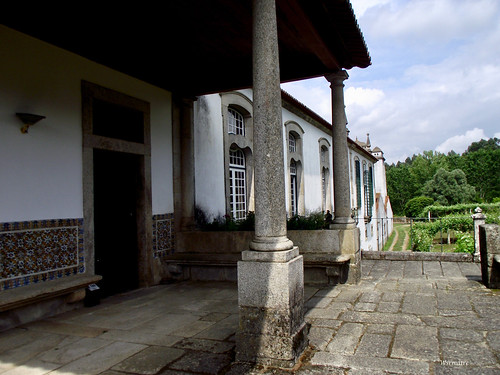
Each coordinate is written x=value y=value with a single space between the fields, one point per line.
x=183 y=154
x=348 y=232
x=479 y=219
x=272 y=329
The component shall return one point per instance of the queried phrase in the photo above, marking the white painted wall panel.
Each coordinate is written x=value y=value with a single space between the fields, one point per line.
x=41 y=172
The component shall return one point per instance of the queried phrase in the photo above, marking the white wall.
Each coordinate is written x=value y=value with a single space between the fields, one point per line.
x=311 y=162
x=41 y=172
x=209 y=155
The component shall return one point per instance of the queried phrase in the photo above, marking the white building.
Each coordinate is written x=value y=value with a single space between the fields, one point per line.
x=224 y=165
x=97 y=154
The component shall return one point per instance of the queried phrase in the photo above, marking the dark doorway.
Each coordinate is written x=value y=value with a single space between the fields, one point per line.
x=117 y=183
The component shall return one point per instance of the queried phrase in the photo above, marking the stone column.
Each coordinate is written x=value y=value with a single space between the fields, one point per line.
x=342 y=198
x=343 y=222
x=183 y=154
x=479 y=219
x=270 y=276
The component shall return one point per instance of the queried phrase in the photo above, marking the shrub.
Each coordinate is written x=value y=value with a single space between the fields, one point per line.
x=421 y=239
x=465 y=243
x=313 y=221
x=223 y=223
x=460 y=209
x=415 y=206
x=458 y=223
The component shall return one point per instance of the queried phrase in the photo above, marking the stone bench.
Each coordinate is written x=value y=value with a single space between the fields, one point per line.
x=489 y=245
x=27 y=303
x=319 y=268
x=203 y=266
x=326 y=269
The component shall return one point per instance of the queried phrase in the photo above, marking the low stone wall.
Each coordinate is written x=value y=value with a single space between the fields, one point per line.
x=330 y=256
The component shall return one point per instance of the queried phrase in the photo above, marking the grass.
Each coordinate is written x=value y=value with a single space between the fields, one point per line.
x=401 y=229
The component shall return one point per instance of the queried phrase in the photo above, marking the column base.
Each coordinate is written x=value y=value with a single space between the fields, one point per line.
x=343 y=223
x=350 y=245
x=272 y=329
x=270 y=350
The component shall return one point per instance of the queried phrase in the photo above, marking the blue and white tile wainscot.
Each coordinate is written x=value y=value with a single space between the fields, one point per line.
x=40 y=250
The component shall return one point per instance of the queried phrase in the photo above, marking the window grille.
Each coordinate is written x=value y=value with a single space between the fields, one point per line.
x=292 y=143
x=293 y=188
x=358 y=183
x=237 y=185
x=236 y=124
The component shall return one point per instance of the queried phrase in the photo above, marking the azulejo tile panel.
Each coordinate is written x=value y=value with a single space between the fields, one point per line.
x=40 y=250
x=163 y=234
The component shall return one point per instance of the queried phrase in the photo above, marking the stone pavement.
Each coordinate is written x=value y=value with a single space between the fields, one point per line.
x=405 y=317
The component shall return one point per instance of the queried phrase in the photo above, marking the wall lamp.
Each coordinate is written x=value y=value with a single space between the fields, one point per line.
x=28 y=120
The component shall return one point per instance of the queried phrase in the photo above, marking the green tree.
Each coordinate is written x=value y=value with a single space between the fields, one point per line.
x=449 y=188
x=490 y=144
x=416 y=205
x=401 y=186
x=482 y=168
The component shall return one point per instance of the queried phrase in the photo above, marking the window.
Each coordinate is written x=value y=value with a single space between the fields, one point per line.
x=324 y=186
x=324 y=154
x=237 y=184
x=368 y=190
x=236 y=124
x=293 y=187
x=292 y=143
x=358 y=184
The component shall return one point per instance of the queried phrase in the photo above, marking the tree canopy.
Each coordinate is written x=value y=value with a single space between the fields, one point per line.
x=447 y=178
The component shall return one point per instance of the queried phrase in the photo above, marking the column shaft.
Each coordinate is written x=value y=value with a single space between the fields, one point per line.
x=271 y=274
x=270 y=209
x=342 y=199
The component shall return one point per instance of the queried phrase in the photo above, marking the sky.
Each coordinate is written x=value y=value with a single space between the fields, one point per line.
x=434 y=82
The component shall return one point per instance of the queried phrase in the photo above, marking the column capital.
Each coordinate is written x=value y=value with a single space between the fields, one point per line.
x=337 y=78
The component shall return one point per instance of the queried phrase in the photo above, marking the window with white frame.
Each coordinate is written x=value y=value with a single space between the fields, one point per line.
x=293 y=188
x=292 y=143
x=368 y=189
x=324 y=185
x=358 y=183
x=236 y=123
x=237 y=184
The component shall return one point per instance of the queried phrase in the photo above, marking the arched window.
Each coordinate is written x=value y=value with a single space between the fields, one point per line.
x=324 y=154
x=293 y=188
x=292 y=143
x=237 y=184
x=236 y=123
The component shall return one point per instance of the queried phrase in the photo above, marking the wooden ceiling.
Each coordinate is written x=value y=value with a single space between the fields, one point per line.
x=196 y=47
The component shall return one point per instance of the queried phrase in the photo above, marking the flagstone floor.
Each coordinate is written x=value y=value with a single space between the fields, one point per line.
x=404 y=317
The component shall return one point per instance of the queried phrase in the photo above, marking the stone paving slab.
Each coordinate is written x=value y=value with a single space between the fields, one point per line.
x=404 y=317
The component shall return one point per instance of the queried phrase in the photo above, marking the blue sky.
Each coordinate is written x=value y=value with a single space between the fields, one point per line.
x=434 y=82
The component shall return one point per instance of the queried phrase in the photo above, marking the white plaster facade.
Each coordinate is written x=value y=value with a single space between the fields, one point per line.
x=41 y=171
x=47 y=173
x=312 y=136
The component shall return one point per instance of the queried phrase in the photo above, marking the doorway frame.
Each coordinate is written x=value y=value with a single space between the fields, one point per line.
x=91 y=91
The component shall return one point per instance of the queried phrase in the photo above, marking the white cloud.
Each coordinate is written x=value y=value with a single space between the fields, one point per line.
x=418 y=95
x=366 y=98
x=459 y=143
x=496 y=135
x=314 y=93
x=429 y=20
x=361 y=6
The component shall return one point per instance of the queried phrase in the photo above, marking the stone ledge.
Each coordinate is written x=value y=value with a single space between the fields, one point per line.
x=411 y=255
x=325 y=259
x=25 y=295
x=204 y=259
